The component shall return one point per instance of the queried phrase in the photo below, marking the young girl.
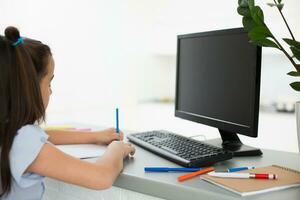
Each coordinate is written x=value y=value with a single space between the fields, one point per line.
x=27 y=151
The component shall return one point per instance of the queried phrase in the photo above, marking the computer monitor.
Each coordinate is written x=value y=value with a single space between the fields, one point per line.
x=218 y=84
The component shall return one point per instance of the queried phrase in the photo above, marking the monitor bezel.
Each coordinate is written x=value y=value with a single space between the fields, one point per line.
x=231 y=128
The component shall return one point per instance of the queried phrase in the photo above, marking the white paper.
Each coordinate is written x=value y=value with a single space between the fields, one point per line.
x=83 y=150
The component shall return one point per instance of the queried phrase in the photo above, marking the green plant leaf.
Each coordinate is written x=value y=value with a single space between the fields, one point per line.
x=296 y=52
x=295 y=86
x=271 y=4
x=251 y=3
x=293 y=73
x=280 y=6
x=264 y=42
x=292 y=43
x=279 y=1
x=257 y=15
x=243 y=3
x=244 y=11
x=248 y=23
x=260 y=32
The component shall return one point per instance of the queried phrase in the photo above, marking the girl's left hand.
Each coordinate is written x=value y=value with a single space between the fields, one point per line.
x=106 y=136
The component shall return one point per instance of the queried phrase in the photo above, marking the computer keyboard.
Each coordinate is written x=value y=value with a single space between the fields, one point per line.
x=179 y=149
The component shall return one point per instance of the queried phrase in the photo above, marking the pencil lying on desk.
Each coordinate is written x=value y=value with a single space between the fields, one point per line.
x=243 y=175
x=193 y=174
x=170 y=169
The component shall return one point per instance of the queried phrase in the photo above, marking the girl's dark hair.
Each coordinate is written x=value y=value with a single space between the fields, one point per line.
x=22 y=67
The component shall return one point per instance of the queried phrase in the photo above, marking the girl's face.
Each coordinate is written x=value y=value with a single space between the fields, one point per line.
x=45 y=83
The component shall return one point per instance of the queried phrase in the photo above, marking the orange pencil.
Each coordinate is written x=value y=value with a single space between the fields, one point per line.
x=193 y=174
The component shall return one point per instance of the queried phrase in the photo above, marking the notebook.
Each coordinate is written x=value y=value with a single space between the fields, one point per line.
x=287 y=178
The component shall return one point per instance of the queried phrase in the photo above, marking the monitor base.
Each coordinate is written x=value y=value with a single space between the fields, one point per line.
x=231 y=142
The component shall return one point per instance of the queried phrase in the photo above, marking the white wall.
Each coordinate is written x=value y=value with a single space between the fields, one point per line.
x=118 y=52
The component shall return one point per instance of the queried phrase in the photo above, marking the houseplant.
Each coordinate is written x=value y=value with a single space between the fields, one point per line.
x=260 y=34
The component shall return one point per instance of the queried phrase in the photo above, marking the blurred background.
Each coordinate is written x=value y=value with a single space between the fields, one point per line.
x=122 y=53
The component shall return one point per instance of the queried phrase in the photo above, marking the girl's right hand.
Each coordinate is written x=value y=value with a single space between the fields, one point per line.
x=125 y=148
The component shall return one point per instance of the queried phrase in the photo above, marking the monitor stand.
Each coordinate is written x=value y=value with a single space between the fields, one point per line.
x=232 y=142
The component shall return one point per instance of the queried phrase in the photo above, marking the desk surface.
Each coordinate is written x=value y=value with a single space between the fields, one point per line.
x=165 y=185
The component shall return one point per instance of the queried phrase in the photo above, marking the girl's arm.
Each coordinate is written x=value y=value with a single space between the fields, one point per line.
x=53 y=163
x=78 y=137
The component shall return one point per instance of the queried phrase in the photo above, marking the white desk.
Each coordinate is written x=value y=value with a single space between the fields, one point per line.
x=135 y=184
x=276 y=131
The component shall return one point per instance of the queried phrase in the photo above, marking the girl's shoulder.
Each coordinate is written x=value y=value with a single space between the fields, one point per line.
x=31 y=131
x=25 y=148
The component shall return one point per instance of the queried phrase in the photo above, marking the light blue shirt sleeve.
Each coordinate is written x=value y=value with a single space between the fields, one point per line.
x=26 y=146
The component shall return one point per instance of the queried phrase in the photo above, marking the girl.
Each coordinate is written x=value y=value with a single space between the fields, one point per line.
x=27 y=152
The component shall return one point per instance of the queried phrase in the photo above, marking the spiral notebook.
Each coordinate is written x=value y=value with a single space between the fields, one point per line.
x=287 y=178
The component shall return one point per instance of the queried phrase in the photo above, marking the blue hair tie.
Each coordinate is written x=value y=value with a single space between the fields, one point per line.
x=19 y=41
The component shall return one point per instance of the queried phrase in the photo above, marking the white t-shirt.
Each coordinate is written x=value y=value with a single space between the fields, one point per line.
x=26 y=146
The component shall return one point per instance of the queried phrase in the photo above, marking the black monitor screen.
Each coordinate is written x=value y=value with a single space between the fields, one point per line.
x=218 y=79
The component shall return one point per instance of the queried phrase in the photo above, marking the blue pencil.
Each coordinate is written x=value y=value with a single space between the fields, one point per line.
x=117 y=120
x=237 y=169
x=170 y=169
